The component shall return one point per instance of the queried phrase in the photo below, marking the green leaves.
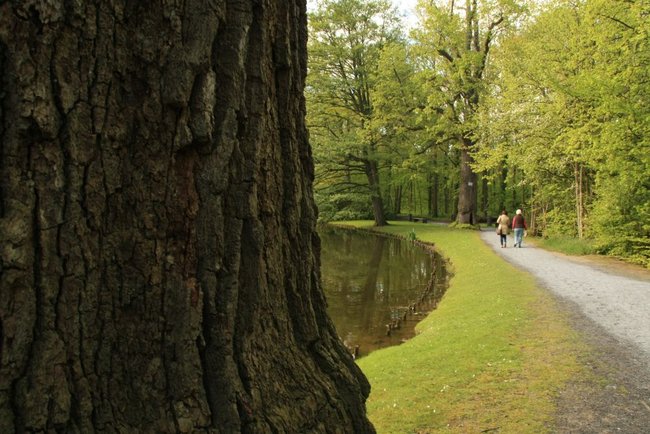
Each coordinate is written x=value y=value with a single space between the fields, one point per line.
x=351 y=138
x=555 y=107
x=572 y=92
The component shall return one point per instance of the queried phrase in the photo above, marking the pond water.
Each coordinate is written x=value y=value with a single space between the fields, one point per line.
x=372 y=281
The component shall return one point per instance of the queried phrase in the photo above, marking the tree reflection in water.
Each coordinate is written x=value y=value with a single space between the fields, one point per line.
x=371 y=280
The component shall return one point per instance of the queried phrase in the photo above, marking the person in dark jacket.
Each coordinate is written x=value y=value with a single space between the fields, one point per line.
x=519 y=225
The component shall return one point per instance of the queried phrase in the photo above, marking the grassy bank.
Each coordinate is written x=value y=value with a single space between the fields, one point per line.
x=491 y=357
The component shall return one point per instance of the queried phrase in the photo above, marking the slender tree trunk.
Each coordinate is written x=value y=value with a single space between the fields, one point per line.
x=532 y=223
x=515 y=202
x=578 y=170
x=372 y=173
x=435 y=195
x=398 y=199
x=160 y=265
x=429 y=194
x=502 y=183
x=388 y=196
x=484 y=197
x=469 y=24
x=447 y=194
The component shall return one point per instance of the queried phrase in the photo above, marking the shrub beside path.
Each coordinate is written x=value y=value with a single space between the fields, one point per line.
x=611 y=311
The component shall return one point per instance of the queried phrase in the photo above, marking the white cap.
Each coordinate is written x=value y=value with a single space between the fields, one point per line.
x=518 y=211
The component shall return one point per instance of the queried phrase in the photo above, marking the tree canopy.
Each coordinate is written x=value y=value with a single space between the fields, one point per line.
x=487 y=105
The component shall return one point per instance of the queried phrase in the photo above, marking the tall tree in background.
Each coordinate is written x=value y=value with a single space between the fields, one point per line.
x=458 y=37
x=159 y=263
x=346 y=40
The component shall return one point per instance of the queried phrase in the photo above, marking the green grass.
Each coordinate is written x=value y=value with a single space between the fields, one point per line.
x=566 y=245
x=492 y=356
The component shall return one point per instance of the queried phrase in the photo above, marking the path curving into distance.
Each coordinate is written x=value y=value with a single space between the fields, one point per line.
x=610 y=307
x=619 y=304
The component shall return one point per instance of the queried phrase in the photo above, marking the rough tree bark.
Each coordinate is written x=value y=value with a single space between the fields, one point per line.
x=159 y=264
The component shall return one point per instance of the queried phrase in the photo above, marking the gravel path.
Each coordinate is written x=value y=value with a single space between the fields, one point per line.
x=611 y=310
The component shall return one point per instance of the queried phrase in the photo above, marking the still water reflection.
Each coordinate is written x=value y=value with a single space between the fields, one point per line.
x=371 y=280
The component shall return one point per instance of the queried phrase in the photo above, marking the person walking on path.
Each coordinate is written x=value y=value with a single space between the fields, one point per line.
x=519 y=225
x=503 y=227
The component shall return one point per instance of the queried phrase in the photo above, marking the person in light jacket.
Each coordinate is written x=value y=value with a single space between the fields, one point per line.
x=519 y=225
x=503 y=227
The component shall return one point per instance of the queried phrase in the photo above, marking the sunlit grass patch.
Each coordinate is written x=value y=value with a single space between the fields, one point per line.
x=492 y=356
x=567 y=245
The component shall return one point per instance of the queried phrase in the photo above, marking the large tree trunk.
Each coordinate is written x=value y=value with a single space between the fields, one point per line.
x=467 y=188
x=160 y=267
